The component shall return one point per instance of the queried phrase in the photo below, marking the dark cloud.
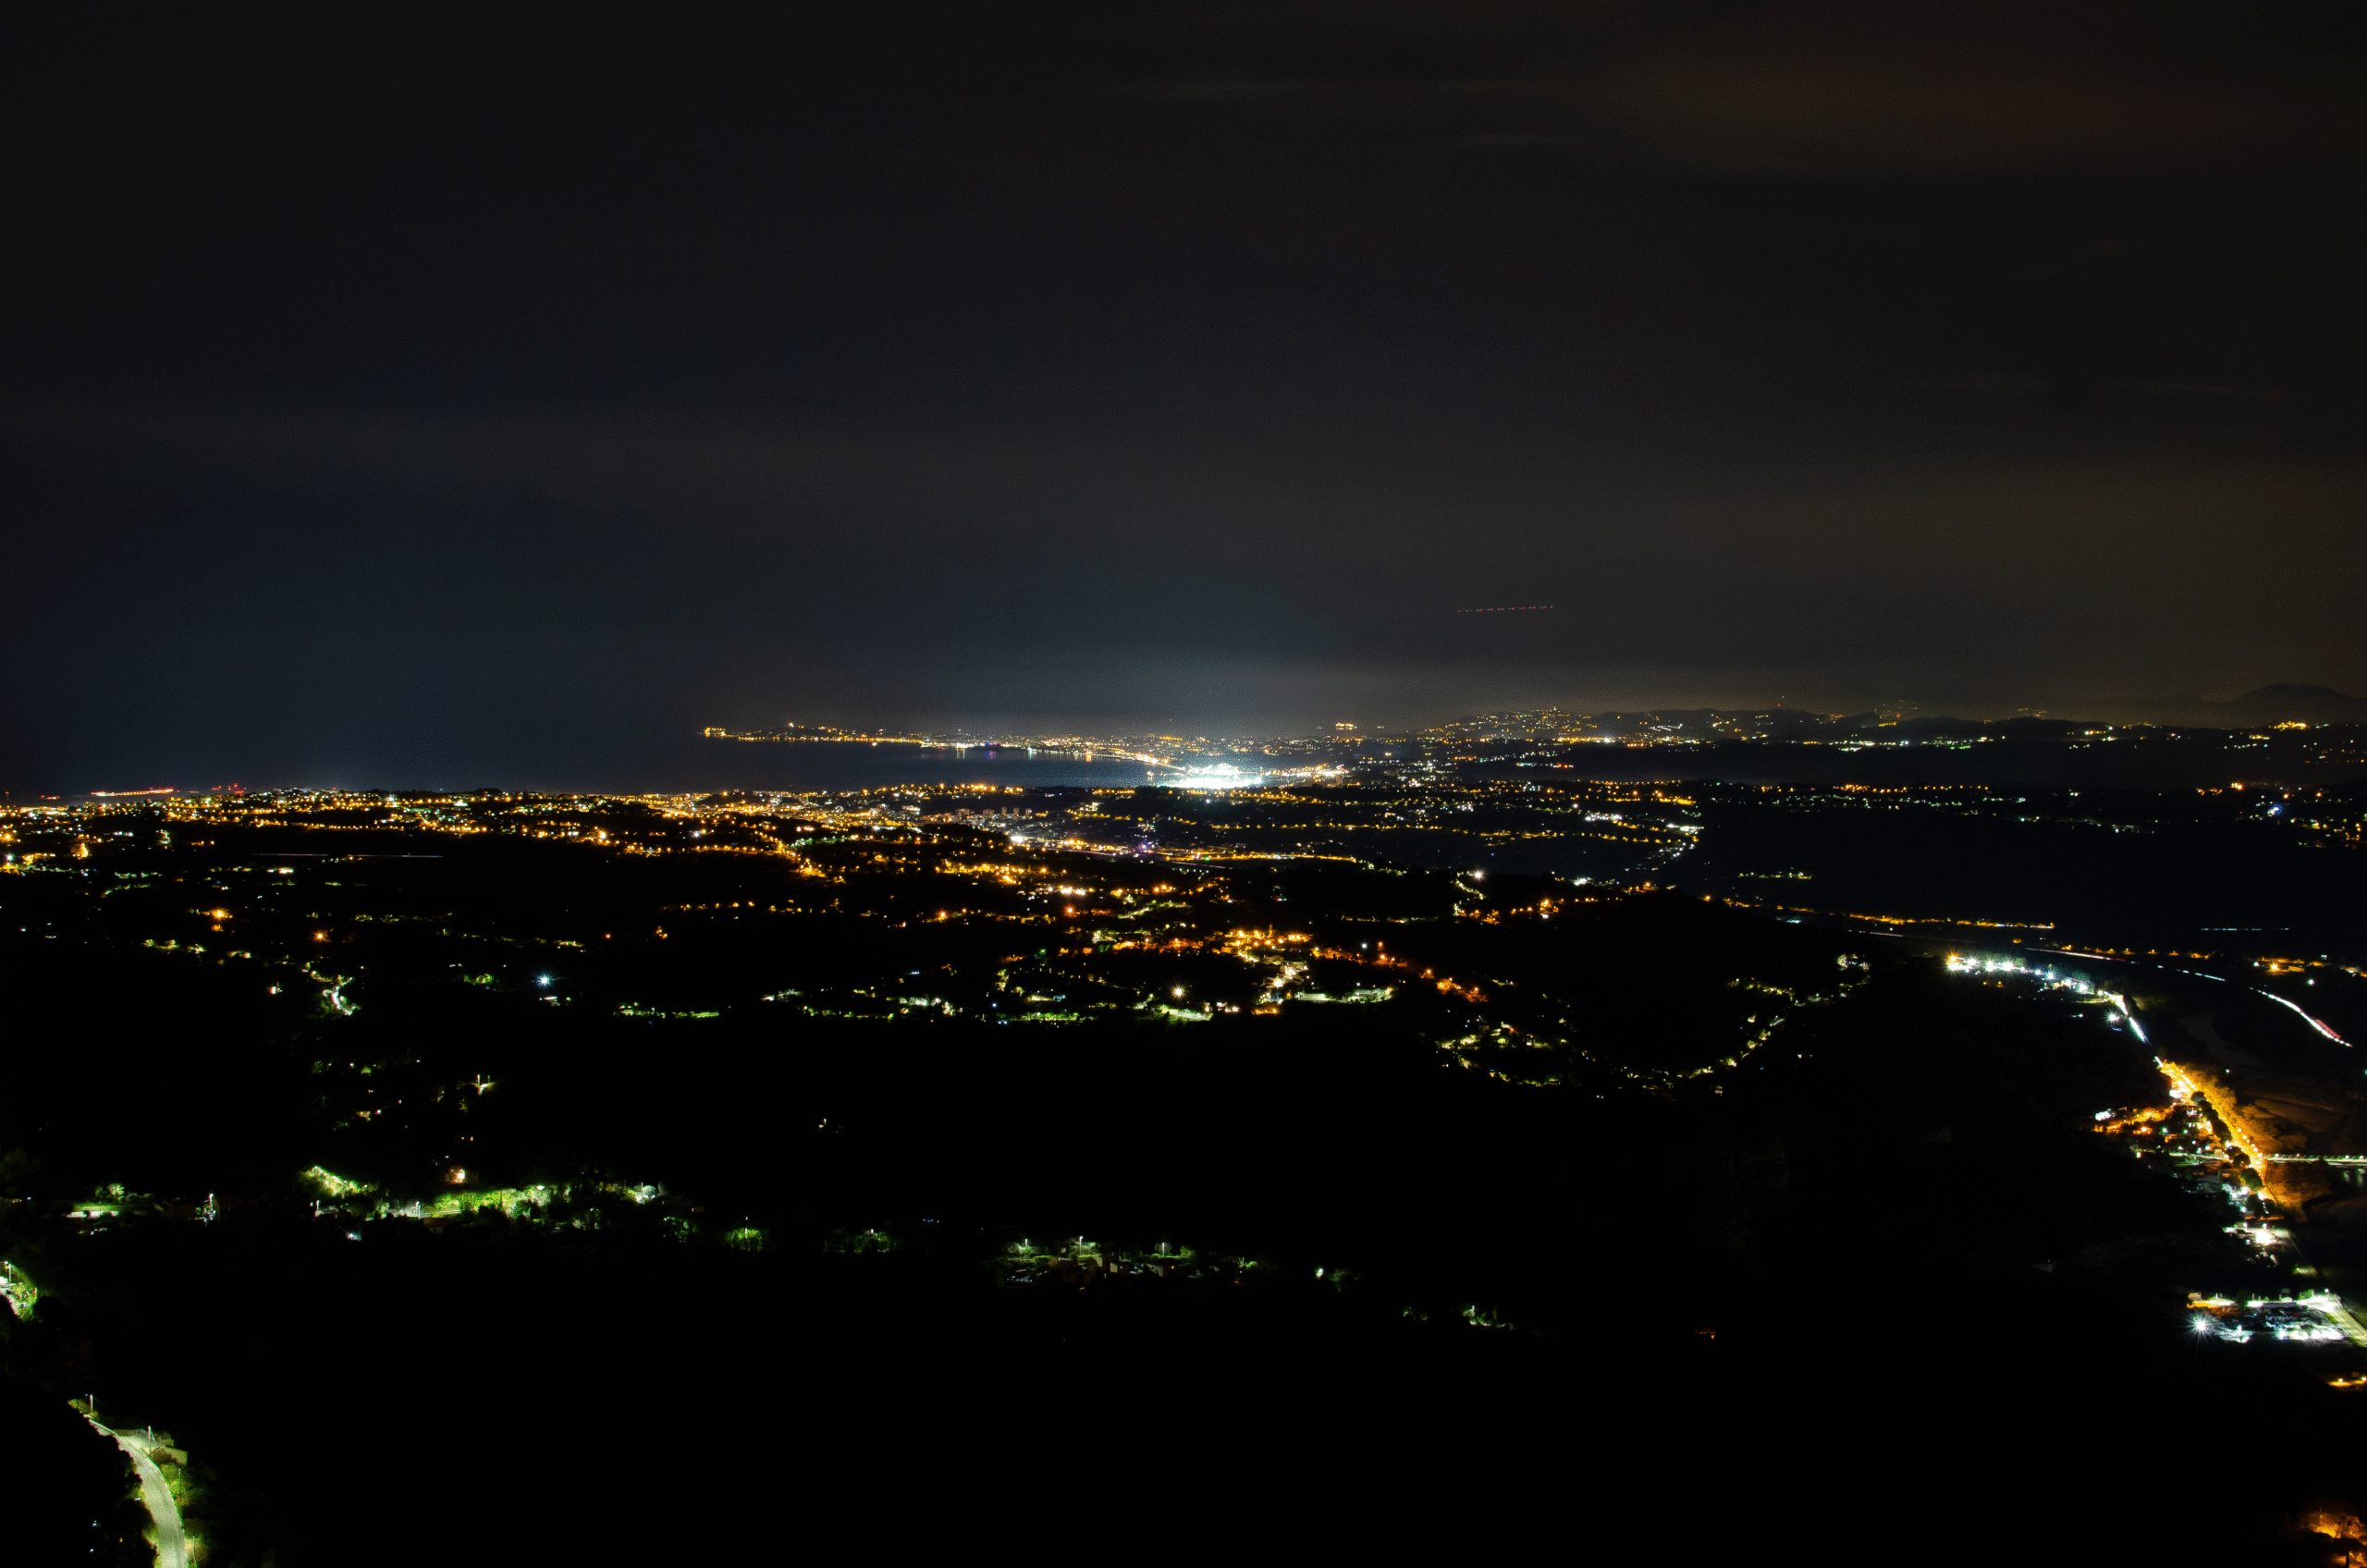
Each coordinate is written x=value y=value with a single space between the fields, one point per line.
x=1999 y=89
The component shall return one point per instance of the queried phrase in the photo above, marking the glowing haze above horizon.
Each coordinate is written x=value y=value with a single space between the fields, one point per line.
x=390 y=403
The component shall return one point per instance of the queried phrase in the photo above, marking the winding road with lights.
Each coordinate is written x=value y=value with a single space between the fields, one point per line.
x=172 y=1545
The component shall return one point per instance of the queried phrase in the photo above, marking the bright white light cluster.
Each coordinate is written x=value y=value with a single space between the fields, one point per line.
x=2053 y=978
x=1218 y=776
x=2305 y=1320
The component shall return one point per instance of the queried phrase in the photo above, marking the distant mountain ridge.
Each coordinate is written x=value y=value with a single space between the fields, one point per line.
x=2283 y=702
x=2291 y=702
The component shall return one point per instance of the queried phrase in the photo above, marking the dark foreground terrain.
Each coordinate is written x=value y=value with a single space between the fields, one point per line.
x=464 y=1210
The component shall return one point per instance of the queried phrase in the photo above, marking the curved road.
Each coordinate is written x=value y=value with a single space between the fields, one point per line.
x=172 y=1548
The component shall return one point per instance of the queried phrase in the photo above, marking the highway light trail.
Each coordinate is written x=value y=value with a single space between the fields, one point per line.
x=2305 y=1018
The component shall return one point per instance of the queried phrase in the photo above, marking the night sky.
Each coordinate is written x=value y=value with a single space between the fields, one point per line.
x=396 y=396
